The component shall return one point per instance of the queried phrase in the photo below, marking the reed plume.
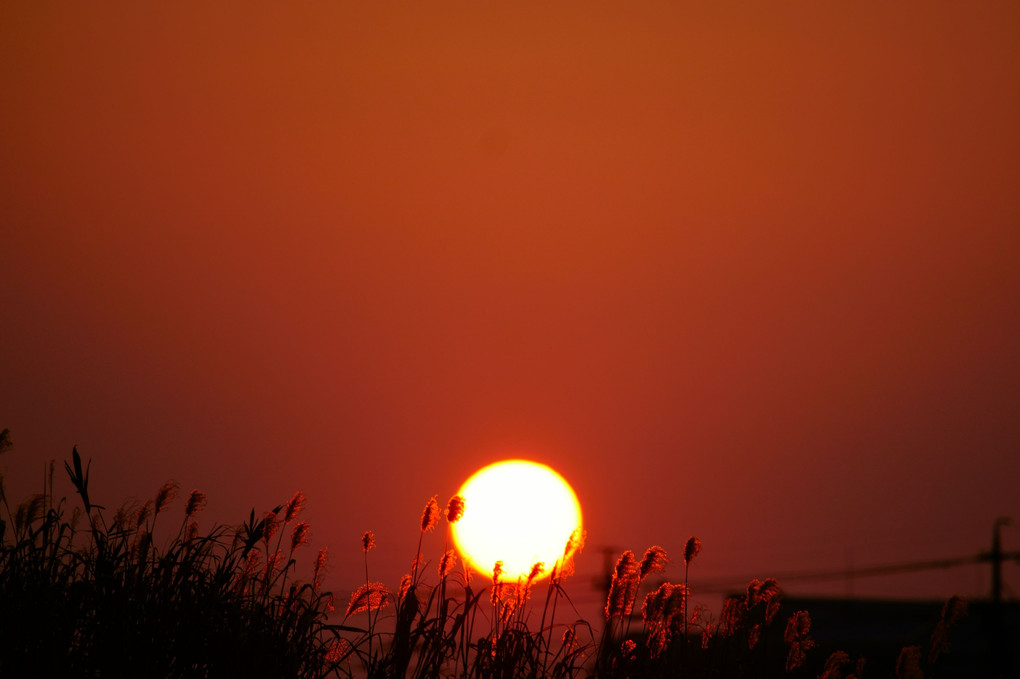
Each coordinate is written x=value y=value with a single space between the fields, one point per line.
x=764 y=592
x=654 y=561
x=569 y=640
x=624 y=577
x=676 y=605
x=270 y=523
x=798 y=636
x=497 y=585
x=565 y=564
x=165 y=495
x=657 y=611
x=430 y=515
x=294 y=507
x=507 y=612
x=447 y=562
x=429 y=519
x=299 y=536
x=455 y=509
x=667 y=604
x=367 y=541
x=196 y=501
x=524 y=589
x=368 y=597
x=707 y=634
x=338 y=650
x=833 y=668
x=691 y=550
x=652 y=608
x=753 y=635
x=405 y=586
x=320 y=564
x=732 y=615
x=627 y=650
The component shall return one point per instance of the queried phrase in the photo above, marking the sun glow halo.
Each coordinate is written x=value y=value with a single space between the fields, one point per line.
x=518 y=512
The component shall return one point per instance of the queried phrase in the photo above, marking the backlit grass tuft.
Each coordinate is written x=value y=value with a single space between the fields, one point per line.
x=86 y=594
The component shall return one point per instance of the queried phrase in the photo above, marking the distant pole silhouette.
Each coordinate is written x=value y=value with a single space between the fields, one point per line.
x=604 y=580
x=996 y=557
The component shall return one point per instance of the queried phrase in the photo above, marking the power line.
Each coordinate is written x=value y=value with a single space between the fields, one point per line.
x=732 y=583
x=722 y=585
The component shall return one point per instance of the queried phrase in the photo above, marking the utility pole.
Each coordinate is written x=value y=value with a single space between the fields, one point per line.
x=996 y=557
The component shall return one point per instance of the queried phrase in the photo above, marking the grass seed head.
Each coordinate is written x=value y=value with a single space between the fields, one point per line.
x=753 y=635
x=294 y=507
x=834 y=665
x=367 y=541
x=691 y=550
x=537 y=569
x=405 y=586
x=455 y=509
x=569 y=639
x=320 y=564
x=430 y=515
x=797 y=635
x=497 y=585
x=299 y=536
x=196 y=501
x=368 y=597
x=654 y=561
x=624 y=576
x=447 y=562
x=165 y=495
x=651 y=610
x=269 y=525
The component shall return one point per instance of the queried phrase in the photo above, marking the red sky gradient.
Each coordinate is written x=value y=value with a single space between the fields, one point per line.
x=749 y=273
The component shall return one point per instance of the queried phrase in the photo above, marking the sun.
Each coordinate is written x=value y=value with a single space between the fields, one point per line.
x=518 y=512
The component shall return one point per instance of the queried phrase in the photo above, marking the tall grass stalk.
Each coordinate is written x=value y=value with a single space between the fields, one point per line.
x=110 y=599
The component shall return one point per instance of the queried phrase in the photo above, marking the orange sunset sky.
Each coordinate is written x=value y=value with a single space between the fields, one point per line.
x=748 y=272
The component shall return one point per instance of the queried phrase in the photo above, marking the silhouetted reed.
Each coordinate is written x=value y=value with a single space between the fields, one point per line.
x=798 y=636
x=115 y=599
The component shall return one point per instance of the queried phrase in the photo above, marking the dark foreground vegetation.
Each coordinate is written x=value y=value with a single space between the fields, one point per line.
x=86 y=592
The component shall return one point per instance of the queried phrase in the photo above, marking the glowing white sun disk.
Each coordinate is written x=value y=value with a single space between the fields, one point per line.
x=518 y=512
